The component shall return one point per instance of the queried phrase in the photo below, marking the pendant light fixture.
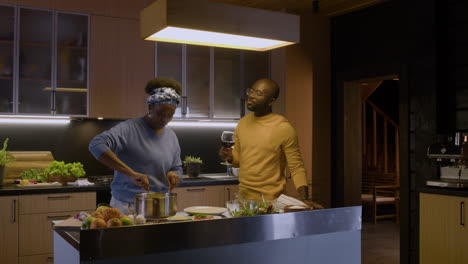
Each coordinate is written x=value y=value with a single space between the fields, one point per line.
x=201 y=22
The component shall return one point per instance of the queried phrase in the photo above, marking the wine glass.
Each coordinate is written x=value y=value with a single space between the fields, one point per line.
x=227 y=139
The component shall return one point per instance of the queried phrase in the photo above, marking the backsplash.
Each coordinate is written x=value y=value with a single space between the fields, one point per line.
x=70 y=142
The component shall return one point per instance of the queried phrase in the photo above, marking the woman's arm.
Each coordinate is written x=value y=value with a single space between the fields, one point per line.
x=109 y=159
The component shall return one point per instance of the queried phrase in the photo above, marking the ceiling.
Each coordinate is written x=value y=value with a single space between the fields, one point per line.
x=325 y=7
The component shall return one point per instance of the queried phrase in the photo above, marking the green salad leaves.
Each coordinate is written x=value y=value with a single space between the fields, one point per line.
x=65 y=169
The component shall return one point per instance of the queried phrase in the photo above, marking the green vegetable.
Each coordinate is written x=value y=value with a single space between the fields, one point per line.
x=200 y=216
x=253 y=207
x=34 y=174
x=190 y=159
x=5 y=156
x=65 y=169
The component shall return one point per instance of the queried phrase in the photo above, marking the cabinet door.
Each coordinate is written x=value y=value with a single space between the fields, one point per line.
x=200 y=196
x=35 y=62
x=7 y=21
x=37 y=259
x=169 y=64
x=120 y=66
x=256 y=66
x=71 y=96
x=442 y=237
x=35 y=232
x=198 y=82
x=227 y=83
x=230 y=191
x=57 y=202
x=9 y=229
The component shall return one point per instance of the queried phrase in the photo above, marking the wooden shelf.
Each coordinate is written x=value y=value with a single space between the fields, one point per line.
x=6 y=78
x=5 y=41
x=72 y=47
x=36 y=44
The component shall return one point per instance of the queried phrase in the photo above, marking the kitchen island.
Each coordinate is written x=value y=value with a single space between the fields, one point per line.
x=318 y=236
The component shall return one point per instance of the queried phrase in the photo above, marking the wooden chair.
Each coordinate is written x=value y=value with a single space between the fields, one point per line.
x=380 y=188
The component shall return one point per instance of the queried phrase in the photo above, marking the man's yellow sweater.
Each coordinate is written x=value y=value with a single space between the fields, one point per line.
x=263 y=147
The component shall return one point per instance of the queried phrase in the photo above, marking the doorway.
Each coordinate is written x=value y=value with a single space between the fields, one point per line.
x=348 y=149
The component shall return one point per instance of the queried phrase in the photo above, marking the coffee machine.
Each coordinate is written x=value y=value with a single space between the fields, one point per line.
x=452 y=163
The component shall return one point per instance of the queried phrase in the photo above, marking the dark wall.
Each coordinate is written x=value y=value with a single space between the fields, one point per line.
x=396 y=37
x=70 y=142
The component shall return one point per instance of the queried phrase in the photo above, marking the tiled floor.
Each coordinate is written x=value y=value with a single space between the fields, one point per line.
x=381 y=243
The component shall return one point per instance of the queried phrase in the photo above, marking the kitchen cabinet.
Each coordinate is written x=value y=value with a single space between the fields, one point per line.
x=43 y=64
x=230 y=192
x=120 y=66
x=443 y=233
x=35 y=215
x=9 y=229
x=214 y=80
x=200 y=196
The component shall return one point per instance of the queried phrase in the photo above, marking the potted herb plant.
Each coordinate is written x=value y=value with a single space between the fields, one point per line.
x=193 y=165
x=5 y=157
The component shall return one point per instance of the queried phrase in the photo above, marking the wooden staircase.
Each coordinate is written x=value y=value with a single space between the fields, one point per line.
x=381 y=166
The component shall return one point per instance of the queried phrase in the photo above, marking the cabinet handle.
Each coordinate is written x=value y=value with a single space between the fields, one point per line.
x=229 y=193
x=58 y=217
x=50 y=259
x=13 y=211
x=65 y=197
x=462 y=213
x=196 y=190
x=184 y=105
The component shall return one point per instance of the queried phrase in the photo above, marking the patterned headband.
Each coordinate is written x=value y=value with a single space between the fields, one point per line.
x=164 y=95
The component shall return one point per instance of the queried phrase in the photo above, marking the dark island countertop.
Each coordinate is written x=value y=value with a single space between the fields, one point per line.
x=202 y=180
x=444 y=191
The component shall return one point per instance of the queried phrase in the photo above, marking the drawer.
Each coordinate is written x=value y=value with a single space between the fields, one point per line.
x=36 y=233
x=37 y=259
x=56 y=202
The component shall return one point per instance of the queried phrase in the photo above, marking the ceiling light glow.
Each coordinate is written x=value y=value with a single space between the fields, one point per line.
x=206 y=38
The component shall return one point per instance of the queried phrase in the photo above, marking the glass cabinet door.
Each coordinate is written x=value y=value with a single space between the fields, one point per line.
x=198 y=81
x=169 y=64
x=256 y=66
x=7 y=24
x=35 y=62
x=72 y=63
x=227 y=100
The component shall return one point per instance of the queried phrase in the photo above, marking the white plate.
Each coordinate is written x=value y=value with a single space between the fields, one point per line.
x=208 y=210
x=177 y=218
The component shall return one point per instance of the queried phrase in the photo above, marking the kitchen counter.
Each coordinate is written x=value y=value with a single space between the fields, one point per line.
x=216 y=179
x=299 y=237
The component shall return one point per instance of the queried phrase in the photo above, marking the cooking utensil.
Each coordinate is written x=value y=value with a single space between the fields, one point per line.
x=156 y=205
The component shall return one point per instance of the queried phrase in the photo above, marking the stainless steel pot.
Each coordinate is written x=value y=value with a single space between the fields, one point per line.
x=156 y=205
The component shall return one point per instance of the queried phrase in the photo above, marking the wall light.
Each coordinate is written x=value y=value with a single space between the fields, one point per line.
x=25 y=119
x=203 y=123
x=201 y=22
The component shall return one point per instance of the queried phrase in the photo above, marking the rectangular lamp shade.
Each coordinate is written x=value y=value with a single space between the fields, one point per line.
x=201 y=22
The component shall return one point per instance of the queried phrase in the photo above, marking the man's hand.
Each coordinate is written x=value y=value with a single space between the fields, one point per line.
x=226 y=154
x=140 y=180
x=172 y=179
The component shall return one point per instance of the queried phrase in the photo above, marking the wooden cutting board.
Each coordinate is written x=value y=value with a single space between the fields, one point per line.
x=25 y=160
x=70 y=223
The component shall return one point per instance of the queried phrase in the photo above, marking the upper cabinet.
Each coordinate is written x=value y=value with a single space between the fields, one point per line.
x=43 y=62
x=214 y=79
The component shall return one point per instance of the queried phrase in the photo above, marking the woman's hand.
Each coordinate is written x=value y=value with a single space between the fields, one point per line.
x=140 y=180
x=172 y=179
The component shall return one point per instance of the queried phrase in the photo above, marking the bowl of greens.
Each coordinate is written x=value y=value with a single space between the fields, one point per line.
x=242 y=207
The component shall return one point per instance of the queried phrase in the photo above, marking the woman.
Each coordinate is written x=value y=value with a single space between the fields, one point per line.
x=144 y=154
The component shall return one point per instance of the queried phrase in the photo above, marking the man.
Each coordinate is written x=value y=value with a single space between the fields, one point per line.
x=264 y=144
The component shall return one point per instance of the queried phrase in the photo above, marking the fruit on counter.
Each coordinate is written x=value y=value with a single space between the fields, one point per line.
x=97 y=215
x=122 y=216
x=98 y=223
x=114 y=222
x=140 y=219
x=109 y=213
x=102 y=208
x=87 y=222
x=126 y=221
